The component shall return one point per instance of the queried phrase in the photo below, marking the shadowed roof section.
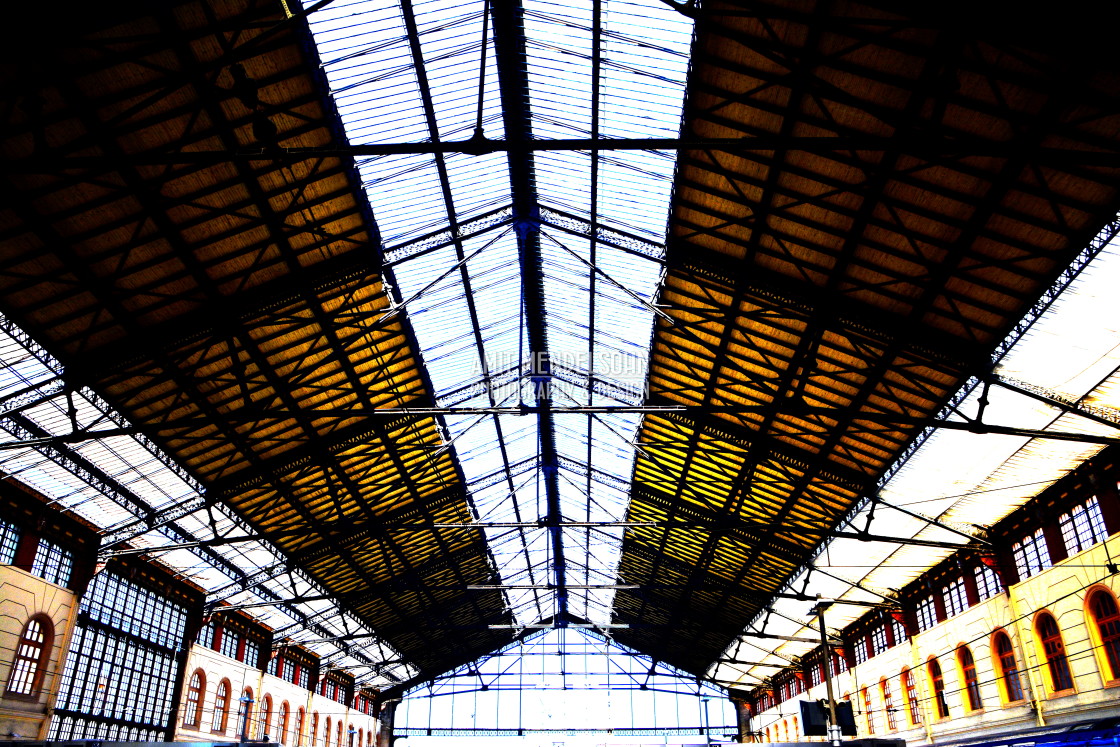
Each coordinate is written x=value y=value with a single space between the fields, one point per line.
x=829 y=304
x=235 y=311
x=817 y=307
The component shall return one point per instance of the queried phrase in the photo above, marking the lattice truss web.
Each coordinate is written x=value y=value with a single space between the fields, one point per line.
x=410 y=72
x=951 y=484
x=518 y=271
x=118 y=483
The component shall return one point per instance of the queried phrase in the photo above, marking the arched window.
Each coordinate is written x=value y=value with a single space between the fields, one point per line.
x=1007 y=669
x=315 y=729
x=339 y=741
x=327 y=733
x=297 y=735
x=265 y=717
x=796 y=731
x=888 y=703
x=909 y=689
x=195 y=689
x=221 y=707
x=32 y=654
x=282 y=722
x=361 y=734
x=867 y=711
x=968 y=676
x=1057 y=666
x=1106 y=619
x=937 y=684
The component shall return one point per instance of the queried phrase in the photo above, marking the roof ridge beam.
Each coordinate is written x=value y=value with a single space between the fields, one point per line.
x=513 y=78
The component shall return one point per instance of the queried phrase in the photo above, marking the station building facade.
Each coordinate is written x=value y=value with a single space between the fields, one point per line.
x=1018 y=634
x=125 y=650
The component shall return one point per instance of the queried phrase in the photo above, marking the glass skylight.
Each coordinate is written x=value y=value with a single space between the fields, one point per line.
x=569 y=682
x=464 y=300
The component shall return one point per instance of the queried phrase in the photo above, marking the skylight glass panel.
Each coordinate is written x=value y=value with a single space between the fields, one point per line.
x=642 y=64
x=645 y=53
x=464 y=300
x=389 y=88
x=962 y=479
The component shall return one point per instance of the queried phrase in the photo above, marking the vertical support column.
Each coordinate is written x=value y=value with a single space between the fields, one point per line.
x=742 y=716
x=1108 y=498
x=1055 y=544
x=386 y=715
x=938 y=602
x=833 y=722
x=26 y=548
x=971 y=590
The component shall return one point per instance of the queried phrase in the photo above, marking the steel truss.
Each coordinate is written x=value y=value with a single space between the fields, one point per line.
x=932 y=147
x=150 y=519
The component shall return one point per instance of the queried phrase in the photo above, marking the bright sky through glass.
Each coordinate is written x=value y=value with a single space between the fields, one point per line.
x=567 y=679
x=468 y=317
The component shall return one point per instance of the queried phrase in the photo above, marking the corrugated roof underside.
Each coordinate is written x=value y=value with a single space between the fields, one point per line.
x=826 y=303
x=236 y=312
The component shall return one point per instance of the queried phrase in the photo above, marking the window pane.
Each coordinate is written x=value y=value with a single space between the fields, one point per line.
x=1057 y=665
x=1009 y=670
x=124 y=664
x=956 y=600
x=52 y=563
x=1031 y=554
x=1107 y=617
x=1082 y=527
x=878 y=640
x=28 y=660
x=927 y=614
x=987 y=582
x=9 y=539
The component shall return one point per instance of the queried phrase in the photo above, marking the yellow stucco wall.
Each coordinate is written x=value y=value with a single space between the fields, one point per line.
x=22 y=596
x=217 y=667
x=1061 y=590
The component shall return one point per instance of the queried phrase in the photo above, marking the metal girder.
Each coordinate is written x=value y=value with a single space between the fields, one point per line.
x=32 y=395
x=510 y=59
x=271 y=603
x=131 y=530
x=287 y=642
x=453 y=235
x=919 y=145
x=603 y=235
x=104 y=553
x=1103 y=415
x=247 y=582
x=544 y=407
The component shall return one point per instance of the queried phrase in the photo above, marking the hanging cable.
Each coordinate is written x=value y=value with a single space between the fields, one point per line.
x=482 y=71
